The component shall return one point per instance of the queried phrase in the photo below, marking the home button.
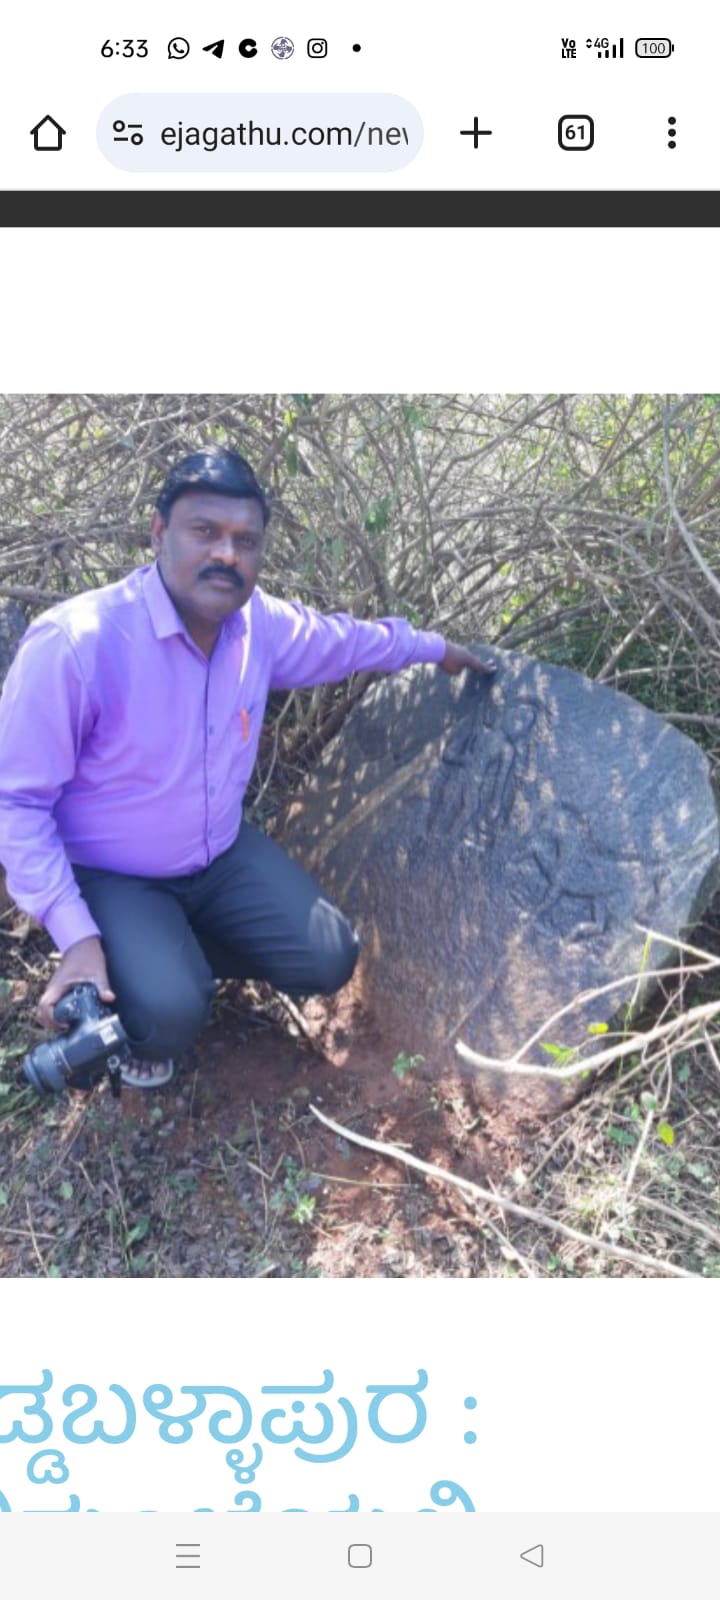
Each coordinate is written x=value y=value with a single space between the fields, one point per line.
x=48 y=134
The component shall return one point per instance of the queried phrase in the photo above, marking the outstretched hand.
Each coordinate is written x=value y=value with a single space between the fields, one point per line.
x=457 y=658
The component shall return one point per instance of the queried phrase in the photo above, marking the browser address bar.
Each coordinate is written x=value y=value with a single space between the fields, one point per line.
x=259 y=132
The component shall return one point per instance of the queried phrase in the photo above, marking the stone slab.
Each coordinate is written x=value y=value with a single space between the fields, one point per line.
x=500 y=845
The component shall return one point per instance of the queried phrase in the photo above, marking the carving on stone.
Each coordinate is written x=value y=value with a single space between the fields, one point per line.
x=481 y=765
x=506 y=840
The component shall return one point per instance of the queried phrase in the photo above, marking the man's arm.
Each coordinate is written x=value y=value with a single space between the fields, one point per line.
x=457 y=657
x=45 y=713
x=308 y=647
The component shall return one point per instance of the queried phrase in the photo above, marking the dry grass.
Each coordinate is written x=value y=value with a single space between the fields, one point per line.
x=166 y=1190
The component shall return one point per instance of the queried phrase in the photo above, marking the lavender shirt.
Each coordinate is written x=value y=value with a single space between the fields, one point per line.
x=122 y=746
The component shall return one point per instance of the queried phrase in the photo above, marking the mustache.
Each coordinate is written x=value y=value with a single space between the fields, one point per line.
x=218 y=572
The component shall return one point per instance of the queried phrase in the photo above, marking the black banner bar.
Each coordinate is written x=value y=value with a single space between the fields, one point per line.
x=365 y=208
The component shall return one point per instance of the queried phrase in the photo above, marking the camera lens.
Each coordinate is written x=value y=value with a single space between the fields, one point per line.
x=46 y=1069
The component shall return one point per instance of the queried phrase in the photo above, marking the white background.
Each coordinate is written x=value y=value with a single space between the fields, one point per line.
x=474 y=310
x=591 y=1396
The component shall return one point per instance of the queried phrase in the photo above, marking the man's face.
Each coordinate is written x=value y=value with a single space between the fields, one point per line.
x=209 y=538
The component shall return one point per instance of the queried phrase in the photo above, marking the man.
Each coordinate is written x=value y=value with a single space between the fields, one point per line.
x=129 y=726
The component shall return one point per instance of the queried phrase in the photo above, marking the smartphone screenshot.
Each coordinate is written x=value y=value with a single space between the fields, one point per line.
x=377 y=119
x=359 y=834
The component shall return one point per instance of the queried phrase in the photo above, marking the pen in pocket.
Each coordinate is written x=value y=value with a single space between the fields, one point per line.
x=245 y=720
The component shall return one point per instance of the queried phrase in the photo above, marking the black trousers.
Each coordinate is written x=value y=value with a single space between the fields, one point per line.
x=253 y=913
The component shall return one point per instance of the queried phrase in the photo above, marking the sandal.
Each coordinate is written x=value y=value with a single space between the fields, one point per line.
x=146 y=1074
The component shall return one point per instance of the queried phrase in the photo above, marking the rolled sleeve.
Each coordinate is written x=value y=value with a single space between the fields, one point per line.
x=45 y=713
x=307 y=647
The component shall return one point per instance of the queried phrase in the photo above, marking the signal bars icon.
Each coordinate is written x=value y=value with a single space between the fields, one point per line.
x=605 y=50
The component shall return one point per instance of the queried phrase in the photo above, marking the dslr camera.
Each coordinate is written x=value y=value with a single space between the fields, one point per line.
x=95 y=1043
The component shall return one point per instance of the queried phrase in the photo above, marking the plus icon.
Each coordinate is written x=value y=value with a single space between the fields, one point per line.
x=475 y=132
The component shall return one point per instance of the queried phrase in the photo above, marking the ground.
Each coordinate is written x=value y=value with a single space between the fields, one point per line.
x=228 y=1172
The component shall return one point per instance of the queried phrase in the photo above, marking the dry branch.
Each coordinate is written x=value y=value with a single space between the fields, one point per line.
x=489 y=1197
x=679 y=1031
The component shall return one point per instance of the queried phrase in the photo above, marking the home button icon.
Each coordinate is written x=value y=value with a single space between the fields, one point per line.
x=48 y=134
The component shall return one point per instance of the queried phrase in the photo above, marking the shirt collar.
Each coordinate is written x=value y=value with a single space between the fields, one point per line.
x=163 y=615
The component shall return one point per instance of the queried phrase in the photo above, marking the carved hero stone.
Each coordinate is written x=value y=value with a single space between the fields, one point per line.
x=500 y=845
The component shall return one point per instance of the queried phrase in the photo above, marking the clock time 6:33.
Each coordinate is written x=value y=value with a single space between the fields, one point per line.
x=124 y=47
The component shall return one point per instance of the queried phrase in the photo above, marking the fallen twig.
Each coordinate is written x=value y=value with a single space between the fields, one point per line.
x=36 y=1248
x=638 y=1152
x=300 y=1023
x=616 y=1252
x=706 y=963
x=693 y=1223
x=712 y=1052
x=260 y=1161
x=508 y=1248
x=692 y=716
x=689 y=1021
x=361 y=1183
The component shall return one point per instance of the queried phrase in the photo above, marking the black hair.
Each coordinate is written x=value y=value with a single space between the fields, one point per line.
x=217 y=472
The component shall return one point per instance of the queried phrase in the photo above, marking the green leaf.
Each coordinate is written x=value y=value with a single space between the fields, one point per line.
x=404 y=1064
x=377 y=517
x=4 y=1195
x=666 y=1133
x=140 y=1231
x=562 y=1052
x=66 y=1190
x=597 y=1027
x=621 y=1136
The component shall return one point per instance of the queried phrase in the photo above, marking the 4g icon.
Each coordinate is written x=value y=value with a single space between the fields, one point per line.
x=576 y=132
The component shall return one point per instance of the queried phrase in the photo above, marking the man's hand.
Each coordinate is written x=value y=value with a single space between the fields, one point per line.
x=457 y=658
x=84 y=962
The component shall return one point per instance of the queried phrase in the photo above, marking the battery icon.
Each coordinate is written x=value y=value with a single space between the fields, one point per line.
x=654 y=49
